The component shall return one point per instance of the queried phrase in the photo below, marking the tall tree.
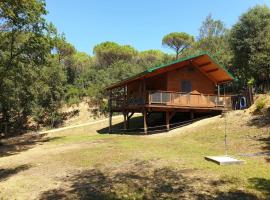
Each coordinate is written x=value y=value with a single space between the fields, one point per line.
x=213 y=38
x=109 y=52
x=178 y=41
x=25 y=47
x=250 y=43
x=211 y=28
x=150 y=58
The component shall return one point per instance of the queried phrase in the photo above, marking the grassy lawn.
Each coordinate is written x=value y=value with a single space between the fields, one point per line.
x=80 y=163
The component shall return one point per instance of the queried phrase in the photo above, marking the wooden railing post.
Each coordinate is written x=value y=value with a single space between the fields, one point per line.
x=167 y=121
x=149 y=97
x=110 y=112
x=145 y=121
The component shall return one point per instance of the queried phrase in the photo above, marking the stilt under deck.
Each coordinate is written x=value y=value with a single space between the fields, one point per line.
x=169 y=113
x=163 y=101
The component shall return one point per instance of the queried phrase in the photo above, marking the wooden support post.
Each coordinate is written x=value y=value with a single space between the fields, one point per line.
x=145 y=121
x=110 y=112
x=144 y=91
x=218 y=93
x=125 y=95
x=167 y=120
x=110 y=122
x=125 y=121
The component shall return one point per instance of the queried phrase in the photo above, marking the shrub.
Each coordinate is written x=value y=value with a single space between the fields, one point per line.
x=261 y=104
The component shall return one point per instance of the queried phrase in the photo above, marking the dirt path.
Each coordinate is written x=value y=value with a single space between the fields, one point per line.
x=79 y=125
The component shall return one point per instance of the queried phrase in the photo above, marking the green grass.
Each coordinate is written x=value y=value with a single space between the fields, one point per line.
x=103 y=166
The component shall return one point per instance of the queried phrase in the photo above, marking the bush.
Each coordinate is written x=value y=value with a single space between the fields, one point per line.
x=260 y=104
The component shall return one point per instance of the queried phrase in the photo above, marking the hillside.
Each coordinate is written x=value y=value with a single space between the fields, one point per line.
x=81 y=163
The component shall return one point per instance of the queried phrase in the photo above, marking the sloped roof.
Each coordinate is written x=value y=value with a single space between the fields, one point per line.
x=203 y=62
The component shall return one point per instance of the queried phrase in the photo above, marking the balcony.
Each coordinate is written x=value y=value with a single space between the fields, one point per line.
x=187 y=99
x=173 y=99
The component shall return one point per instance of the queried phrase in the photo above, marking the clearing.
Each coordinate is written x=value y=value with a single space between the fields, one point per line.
x=83 y=163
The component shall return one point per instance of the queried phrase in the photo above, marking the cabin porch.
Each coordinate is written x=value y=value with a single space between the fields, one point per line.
x=168 y=99
x=167 y=102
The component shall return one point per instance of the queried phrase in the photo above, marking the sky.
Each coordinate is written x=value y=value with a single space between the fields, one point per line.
x=139 y=23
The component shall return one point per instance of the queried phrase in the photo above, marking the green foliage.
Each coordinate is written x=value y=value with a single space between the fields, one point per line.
x=251 y=81
x=51 y=93
x=178 y=41
x=251 y=47
x=260 y=104
x=212 y=28
x=109 y=52
x=73 y=95
x=214 y=39
x=151 y=58
x=25 y=46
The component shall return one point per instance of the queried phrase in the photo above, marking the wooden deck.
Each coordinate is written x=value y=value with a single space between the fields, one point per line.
x=171 y=100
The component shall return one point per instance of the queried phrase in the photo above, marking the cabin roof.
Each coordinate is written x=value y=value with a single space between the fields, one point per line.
x=203 y=62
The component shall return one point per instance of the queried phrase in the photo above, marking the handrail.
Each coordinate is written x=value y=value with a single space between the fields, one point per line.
x=166 y=91
x=173 y=98
x=186 y=99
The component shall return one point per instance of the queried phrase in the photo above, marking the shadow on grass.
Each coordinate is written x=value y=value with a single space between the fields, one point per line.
x=261 y=184
x=265 y=147
x=136 y=125
x=155 y=123
x=6 y=173
x=17 y=144
x=260 y=121
x=140 y=180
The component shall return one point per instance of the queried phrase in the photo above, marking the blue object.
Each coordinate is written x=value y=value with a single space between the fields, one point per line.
x=243 y=103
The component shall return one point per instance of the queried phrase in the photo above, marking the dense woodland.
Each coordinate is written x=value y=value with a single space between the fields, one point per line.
x=40 y=71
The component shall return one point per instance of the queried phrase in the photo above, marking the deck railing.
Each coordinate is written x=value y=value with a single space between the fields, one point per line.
x=168 y=98
x=187 y=99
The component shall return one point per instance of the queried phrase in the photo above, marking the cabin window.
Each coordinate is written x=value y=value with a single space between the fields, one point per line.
x=186 y=86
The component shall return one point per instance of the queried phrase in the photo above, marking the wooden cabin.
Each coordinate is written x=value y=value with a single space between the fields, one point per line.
x=187 y=85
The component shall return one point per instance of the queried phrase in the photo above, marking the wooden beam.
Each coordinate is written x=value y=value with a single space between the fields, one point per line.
x=110 y=112
x=224 y=81
x=125 y=95
x=125 y=121
x=144 y=89
x=206 y=74
x=167 y=120
x=204 y=64
x=110 y=122
x=218 y=92
x=145 y=121
x=212 y=70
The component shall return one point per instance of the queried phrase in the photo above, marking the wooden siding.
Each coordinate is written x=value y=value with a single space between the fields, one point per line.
x=200 y=83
